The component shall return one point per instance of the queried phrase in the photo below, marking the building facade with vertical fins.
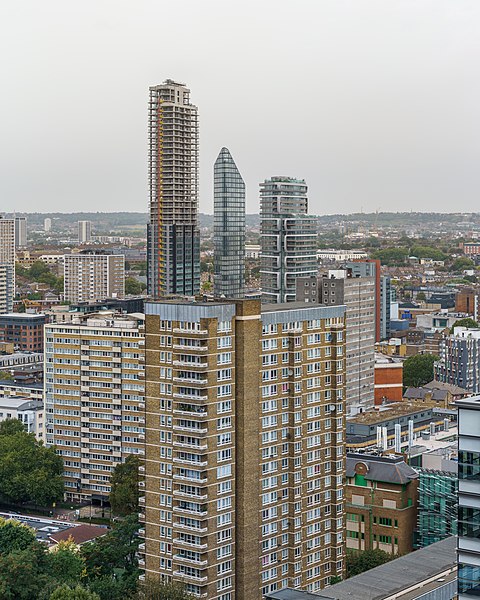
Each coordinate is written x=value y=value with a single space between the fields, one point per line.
x=245 y=438
x=288 y=238
x=229 y=227
x=173 y=236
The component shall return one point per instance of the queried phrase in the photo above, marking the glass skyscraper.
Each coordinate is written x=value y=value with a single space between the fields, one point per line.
x=173 y=250
x=229 y=227
x=288 y=238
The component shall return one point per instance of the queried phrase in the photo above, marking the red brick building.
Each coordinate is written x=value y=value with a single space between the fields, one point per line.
x=381 y=503
x=388 y=379
x=23 y=330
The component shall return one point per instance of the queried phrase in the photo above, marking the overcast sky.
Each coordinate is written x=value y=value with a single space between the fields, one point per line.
x=375 y=103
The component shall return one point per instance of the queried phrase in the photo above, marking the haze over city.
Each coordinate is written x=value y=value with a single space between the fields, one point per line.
x=373 y=103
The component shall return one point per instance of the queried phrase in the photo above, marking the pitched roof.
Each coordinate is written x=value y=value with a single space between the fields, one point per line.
x=80 y=534
x=382 y=468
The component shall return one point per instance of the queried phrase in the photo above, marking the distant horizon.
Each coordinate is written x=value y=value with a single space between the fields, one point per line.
x=136 y=212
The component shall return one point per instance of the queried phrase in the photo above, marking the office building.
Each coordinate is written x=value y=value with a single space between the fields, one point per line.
x=47 y=224
x=23 y=330
x=7 y=264
x=437 y=504
x=93 y=277
x=84 y=232
x=94 y=398
x=245 y=454
x=173 y=236
x=381 y=495
x=468 y=498
x=20 y=232
x=288 y=238
x=229 y=227
x=459 y=362
x=358 y=295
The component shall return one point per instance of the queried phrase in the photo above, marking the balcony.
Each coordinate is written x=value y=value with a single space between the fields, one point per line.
x=190 y=496
x=190 y=332
x=189 y=528
x=191 y=578
x=193 y=480
x=191 y=446
x=190 y=561
x=141 y=517
x=141 y=533
x=191 y=365
x=181 y=542
x=189 y=349
x=194 y=397
x=141 y=501
x=199 y=382
x=190 y=413
x=192 y=429
x=190 y=512
x=190 y=463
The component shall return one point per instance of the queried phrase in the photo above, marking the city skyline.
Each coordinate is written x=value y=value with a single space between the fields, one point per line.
x=394 y=124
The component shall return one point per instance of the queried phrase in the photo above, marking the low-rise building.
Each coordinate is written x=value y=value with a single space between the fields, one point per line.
x=381 y=503
x=364 y=431
x=427 y=574
x=30 y=412
x=23 y=330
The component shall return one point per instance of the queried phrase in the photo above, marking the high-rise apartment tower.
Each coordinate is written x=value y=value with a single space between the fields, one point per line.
x=288 y=238
x=20 y=232
x=84 y=232
x=358 y=294
x=7 y=264
x=245 y=433
x=229 y=227
x=90 y=276
x=173 y=235
x=94 y=397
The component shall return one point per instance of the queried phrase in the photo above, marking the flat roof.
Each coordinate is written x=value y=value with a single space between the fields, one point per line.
x=472 y=402
x=394 y=409
x=399 y=574
x=22 y=316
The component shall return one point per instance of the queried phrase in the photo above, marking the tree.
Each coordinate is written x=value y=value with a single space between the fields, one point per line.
x=21 y=576
x=421 y=297
x=11 y=427
x=65 y=564
x=359 y=562
x=134 y=287
x=15 y=536
x=65 y=592
x=29 y=472
x=154 y=589
x=462 y=263
x=124 y=486
x=465 y=322
x=116 y=550
x=418 y=369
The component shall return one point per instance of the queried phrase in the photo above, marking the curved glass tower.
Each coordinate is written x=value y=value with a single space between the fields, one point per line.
x=229 y=227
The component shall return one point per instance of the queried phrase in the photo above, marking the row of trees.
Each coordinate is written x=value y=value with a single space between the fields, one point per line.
x=105 y=569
